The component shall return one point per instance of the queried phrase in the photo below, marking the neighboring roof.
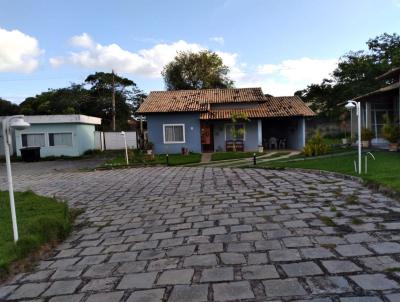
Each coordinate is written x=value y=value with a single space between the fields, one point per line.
x=62 y=119
x=394 y=72
x=285 y=106
x=388 y=88
x=197 y=100
x=200 y=100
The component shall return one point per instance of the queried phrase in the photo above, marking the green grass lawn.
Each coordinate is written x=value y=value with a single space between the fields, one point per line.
x=41 y=221
x=139 y=159
x=232 y=155
x=384 y=170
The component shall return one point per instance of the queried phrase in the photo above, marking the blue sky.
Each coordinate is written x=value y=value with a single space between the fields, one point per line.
x=279 y=45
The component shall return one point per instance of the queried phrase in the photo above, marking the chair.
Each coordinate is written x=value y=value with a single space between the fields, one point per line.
x=282 y=143
x=272 y=143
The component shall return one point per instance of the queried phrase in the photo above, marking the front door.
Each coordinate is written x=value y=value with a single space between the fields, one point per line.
x=207 y=141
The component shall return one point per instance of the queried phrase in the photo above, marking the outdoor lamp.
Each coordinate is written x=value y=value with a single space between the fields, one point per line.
x=16 y=122
x=351 y=105
x=126 y=148
x=19 y=124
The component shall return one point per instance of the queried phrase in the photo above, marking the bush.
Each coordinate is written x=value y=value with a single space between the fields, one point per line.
x=390 y=131
x=315 y=146
x=366 y=134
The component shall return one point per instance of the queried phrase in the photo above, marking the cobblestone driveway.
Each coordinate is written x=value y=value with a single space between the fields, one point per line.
x=212 y=234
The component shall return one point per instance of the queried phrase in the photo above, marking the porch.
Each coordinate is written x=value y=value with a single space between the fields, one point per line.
x=374 y=107
x=269 y=133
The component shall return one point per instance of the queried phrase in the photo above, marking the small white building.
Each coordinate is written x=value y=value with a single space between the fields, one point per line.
x=56 y=135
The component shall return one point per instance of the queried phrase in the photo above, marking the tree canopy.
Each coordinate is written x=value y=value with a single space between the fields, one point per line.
x=355 y=75
x=93 y=97
x=8 y=108
x=196 y=70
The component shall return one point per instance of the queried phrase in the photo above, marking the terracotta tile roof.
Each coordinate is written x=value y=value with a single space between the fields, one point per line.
x=272 y=107
x=197 y=100
x=200 y=100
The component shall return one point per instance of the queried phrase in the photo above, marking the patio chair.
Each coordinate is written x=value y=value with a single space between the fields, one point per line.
x=272 y=143
x=282 y=143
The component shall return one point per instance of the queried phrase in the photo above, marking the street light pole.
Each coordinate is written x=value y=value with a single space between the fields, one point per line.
x=19 y=124
x=350 y=105
x=126 y=147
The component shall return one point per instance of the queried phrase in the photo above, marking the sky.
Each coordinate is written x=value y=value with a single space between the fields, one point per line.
x=281 y=46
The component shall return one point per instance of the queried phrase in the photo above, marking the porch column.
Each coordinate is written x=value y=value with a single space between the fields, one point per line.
x=259 y=132
x=303 y=126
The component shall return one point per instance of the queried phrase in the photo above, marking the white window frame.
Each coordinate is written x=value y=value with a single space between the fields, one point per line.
x=34 y=133
x=244 y=128
x=174 y=142
x=61 y=146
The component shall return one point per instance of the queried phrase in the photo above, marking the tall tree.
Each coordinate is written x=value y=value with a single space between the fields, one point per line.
x=128 y=97
x=8 y=108
x=196 y=70
x=93 y=97
x=355 y=75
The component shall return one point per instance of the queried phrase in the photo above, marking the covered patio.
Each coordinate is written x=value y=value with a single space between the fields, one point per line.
x=378 y=104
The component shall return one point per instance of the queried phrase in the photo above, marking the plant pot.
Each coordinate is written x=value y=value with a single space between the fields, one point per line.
x=345 y=141
x=393 y=147
x=260 y=149
x=365 y=144
x=150 y=152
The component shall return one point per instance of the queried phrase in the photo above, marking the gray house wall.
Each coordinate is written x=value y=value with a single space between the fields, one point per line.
x=192 y=132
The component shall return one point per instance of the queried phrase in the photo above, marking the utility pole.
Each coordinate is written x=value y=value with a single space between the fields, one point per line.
x=113 y=101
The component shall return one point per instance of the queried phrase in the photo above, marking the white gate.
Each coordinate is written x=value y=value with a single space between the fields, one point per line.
x=115 y=141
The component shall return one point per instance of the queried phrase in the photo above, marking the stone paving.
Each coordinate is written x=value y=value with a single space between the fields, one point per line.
x=211 y=234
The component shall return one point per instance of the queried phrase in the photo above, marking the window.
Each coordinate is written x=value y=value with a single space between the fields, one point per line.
x=33 y=140
x=239 y=131
x=60 y=139
x=174 y=133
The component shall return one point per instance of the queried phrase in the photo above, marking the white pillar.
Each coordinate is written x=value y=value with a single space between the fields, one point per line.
x=303 y=126
x=259 y=132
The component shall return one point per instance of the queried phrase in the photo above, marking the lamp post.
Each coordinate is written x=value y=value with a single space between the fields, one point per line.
x=351 y=105
x=126 y=147
x=16 y=122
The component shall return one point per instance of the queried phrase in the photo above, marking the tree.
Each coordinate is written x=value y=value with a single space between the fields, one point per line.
x=196 y=70
x=128 y=97
x=93 y=97
x=355 y=75
x=8 y=108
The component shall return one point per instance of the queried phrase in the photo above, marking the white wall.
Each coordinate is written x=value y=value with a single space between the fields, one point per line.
x=115 y=141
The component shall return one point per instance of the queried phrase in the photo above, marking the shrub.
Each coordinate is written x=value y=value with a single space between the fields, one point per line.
x=390 y=131
x=366 y=134
x=315 y=146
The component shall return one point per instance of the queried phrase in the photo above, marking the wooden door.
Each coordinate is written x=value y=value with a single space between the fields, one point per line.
x=207 y=142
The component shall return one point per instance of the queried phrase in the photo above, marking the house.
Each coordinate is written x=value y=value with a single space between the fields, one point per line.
x=375 y=105
x=200 y=120
x=56 y=135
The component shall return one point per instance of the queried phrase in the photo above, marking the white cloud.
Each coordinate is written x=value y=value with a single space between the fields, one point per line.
x=18 y=52
x=83 y=41
x=219 y=40
x=291 y=75
x=283 y=78
x=146 y=62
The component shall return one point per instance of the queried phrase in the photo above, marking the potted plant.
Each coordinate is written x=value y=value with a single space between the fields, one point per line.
x=391 y=132
x=366 y=136
x=149 y=148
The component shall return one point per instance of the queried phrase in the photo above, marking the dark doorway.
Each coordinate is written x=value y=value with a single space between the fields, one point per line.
x=207 y=138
